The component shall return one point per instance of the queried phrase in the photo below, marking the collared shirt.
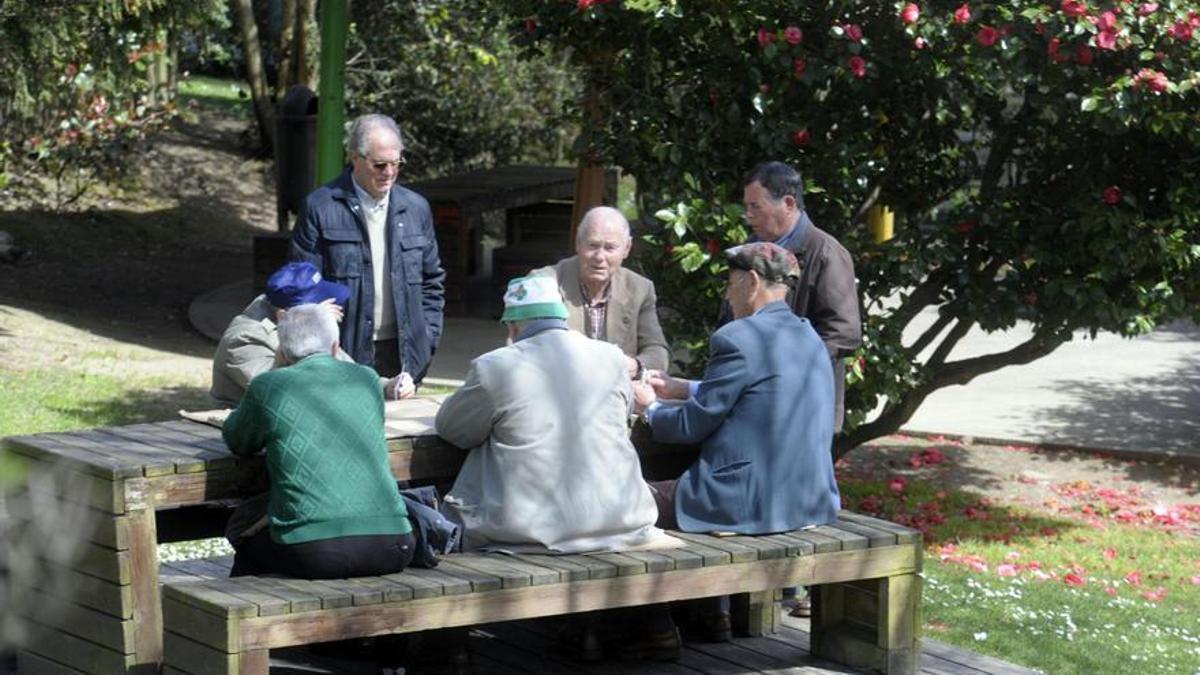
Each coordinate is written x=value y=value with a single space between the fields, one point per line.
x=538 y=325
x=375 y=212
x=596 y=312
x=797 y=232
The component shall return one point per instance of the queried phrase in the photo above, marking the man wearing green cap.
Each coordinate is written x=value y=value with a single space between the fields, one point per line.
x=551 y=467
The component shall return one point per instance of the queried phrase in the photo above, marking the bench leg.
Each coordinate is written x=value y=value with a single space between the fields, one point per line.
x=257 y=662
x=755 y=614
x=868 y=624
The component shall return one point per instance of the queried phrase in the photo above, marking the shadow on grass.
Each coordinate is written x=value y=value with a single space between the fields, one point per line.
x=128 y=275
x=138 y=406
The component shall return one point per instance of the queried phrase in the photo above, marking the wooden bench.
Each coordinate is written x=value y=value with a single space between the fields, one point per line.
x=864 y=573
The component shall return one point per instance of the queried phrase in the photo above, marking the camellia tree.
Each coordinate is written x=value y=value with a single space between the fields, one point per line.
x=1043 y=159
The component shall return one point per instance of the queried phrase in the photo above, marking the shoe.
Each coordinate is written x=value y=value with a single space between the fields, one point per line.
x=581 y=642
x=708 y=626
x=652 y=646
x=798 y=607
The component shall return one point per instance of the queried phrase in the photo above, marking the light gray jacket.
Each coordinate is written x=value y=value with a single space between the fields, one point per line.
x=551 y=464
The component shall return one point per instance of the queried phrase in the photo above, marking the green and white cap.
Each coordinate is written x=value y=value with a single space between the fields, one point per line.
x=533 y=297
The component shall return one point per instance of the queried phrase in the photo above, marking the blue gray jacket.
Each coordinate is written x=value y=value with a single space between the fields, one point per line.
x=763 y=416
x=331 y=233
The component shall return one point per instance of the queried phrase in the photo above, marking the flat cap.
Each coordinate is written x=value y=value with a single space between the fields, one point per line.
x=772 y=262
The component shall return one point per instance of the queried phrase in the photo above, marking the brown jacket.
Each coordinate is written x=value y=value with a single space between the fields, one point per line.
x=632 y=319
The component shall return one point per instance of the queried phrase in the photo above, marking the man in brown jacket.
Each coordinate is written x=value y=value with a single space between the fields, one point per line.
x=604 y=300
x=826 y=295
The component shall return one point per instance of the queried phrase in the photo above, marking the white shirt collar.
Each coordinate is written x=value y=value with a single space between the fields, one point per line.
x=368 y=202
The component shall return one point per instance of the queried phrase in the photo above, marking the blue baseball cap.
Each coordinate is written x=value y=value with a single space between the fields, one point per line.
x=300 y=283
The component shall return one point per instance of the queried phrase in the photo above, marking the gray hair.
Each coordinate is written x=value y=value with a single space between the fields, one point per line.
x=305 y=330
x=600 y=213
x=362 y=127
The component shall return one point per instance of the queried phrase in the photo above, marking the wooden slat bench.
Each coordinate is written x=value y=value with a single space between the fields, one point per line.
x=864 y=573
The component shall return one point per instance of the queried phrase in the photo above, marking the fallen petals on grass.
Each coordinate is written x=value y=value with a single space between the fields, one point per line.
x=1157 y=595
x=1007 y=570
x=1074 y=579
x=1134 y=578
x=1110 y=553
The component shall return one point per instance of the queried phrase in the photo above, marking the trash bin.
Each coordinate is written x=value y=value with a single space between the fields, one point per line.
x=295 y=151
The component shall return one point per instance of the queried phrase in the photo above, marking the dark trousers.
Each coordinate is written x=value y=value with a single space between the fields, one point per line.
x=387 y=358
x=336 y=558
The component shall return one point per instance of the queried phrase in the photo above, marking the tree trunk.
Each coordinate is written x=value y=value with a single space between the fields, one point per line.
x=287 y=48
x=307 y=48
x=256 y=77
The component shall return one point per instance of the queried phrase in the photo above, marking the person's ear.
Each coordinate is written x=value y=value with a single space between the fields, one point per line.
x=789 y=201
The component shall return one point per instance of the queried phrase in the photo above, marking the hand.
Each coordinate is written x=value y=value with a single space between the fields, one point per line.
x=632 y=366
x=667 y=387
x=334 y=309
x=643 y=396
x=399 y=387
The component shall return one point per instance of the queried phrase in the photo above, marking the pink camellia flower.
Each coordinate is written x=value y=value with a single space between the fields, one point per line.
x=853 y=32
x=1151 y=79
x=1106 y=39
x=583 y=5
x=1157 y=595
x=793 y=35
x=962 y=14
x=1006 y=570
x=1083 y=55
x=1073 y=8
x=1110 y=553
x=978 y=566
x=1074 y=579
x=799 y=65
x=1052 y=48
x=1106 y=21
x=1110 y=590
x=920 y=43
x=1134 y=578
x=800 y=138
x=1112 y=195
x=1182 y=31
x=1196 y=580
x=765 y=37
x=1147 y=8
x=898 y=484
x=910 y=13
x=987 y=36
x=858 y=66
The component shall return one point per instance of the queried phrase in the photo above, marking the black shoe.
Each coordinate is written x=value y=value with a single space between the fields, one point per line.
x=581 y=642
x=652 y=646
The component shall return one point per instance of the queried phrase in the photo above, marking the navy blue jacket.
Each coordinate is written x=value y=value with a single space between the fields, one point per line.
x=331 y=233
x=763 y=416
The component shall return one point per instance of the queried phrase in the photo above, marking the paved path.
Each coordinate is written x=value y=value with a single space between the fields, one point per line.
x=1140 y=395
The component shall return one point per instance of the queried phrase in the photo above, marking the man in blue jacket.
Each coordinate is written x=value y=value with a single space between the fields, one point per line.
x=763 y=414
x=365 y=232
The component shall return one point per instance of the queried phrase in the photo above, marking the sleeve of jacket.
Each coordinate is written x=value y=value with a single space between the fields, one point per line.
x=248 y=355
x=651 y=343
x=245 y=430
x=433 y=283
x=306 y=237
x=465 y=418
x=834 y=305
x=698 y=417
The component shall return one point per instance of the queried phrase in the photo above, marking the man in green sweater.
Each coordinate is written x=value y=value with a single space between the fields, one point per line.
x=334 y=509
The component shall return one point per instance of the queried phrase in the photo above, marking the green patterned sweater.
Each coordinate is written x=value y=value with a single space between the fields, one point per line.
x=321 y=422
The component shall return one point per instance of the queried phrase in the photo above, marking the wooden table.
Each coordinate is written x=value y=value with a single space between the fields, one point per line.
x=103 y=610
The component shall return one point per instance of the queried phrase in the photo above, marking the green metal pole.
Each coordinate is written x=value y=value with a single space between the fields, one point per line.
x=331 y=109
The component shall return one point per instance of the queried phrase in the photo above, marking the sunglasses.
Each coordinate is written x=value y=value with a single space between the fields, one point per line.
x=382 y=166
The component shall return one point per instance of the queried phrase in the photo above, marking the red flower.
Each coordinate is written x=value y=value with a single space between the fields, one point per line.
x=1106 y=39
x=765 y=37
x=987 y=36
x=1134 y=578
x=910 y=13
x=1106 y=21
x=799 y=65
x=793 y=35
x=670 y=249
x=1151 y=79
x=966 y=226
x=920 y=43
x=1157 y=595
x=530 y=25
x=1181 y=31
x=1083 y=55
x=858 y=66
x=713 y=246
x=1073 y=8
x=800 y=138
x=584 y=5
x=962 y=14
x=1112 y=195
x=1147 y=8
x=1110 y=553
x=853 y=32
x=1074 y=579
x=898 y=484
x=1052 y=49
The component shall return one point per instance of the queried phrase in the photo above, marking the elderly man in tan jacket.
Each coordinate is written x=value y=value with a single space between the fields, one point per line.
x=604 y=300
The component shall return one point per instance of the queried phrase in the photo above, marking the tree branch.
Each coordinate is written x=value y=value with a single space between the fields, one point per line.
x=956 y=334
x=930 y=333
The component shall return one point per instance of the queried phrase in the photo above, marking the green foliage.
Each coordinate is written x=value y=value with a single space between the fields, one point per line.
x=75 y=96
x=457 y=86
x=1042 y=164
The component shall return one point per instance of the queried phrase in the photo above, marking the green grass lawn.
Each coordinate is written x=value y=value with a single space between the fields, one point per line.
x=1107 y=583
x=231 y=95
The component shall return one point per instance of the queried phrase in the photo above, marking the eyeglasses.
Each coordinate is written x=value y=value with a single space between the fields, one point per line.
x=381 y=166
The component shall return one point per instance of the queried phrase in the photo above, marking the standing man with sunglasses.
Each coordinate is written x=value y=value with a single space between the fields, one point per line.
x=365 y=232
